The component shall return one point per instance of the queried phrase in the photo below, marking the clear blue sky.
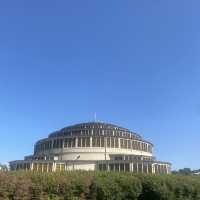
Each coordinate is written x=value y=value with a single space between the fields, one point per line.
x=134 y=63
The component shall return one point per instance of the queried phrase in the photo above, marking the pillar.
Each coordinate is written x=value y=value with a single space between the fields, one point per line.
x=131 y=167
x=142 y=167
x=147 y=168
x=31 y=166
x=91 y=142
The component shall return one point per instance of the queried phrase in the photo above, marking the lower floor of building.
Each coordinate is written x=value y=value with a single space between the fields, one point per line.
x=147 y=167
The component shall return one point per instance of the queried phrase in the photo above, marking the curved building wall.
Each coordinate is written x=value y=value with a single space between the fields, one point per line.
x=91 y=147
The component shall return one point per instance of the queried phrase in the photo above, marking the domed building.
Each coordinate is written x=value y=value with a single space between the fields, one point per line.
x=93 y=146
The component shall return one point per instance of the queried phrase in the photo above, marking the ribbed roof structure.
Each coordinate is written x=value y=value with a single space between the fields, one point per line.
x=92 y=125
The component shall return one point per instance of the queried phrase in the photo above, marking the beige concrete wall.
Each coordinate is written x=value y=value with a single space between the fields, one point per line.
x=92 y=153
x=81 y=166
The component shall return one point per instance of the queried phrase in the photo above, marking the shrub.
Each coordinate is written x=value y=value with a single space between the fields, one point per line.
x=80 y=185
x=111 y=186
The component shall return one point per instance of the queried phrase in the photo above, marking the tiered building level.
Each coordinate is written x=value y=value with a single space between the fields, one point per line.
x=93 y=146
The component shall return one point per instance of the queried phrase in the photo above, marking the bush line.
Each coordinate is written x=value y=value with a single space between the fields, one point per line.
x=82 y=185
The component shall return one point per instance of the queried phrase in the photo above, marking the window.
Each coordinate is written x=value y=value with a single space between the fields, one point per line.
x=50 y=144
x=112 y=142
x=109 y=133
x=111 y=167
x=108 y=142
x=100 y=132
x=50 y=167
x=102 y=167
x=95 y=132
x=121 y=134
x=87 y=141
x=134 y=167
x=129 y=144
x=140 y=167
x=117 y=167
x=73 y=142
x=121 y=143
x=69 y=142
x=62 y=167
x=34 y=166
x=93 y=142
x=150 y=148
x=102 y=141
x=40 y=167
x=54 y=144
x=145 y=168
x=126 y=158
x=116 y=143
x=149 y=168
x=98 y=141
x=125 y=144
x=146 y=147
x=57 y=167
x=66 y=142
x=137 y=145
x=127 y=167
x=45 y=167
x=133 y=144
x=118 y=158
x=83 y=142
x=122 y=167
x=79 y=142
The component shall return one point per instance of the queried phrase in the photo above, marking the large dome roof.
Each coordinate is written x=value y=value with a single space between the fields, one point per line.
x=91 y=125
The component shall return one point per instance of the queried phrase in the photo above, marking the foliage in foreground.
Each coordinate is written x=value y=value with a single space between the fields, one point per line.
x=97 y=186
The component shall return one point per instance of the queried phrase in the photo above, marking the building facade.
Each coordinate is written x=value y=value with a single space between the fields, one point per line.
x=93 y=146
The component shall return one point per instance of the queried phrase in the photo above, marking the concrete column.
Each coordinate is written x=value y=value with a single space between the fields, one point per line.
x=131 y=167
x=157 y=171
x=147 y=168
x=31 y=166
x=153 y=168
x=168 y=169
x=163 y=169
x=91 y=141
x=160 y=169
x=142 y=168
x=119 y=143
x=47 y=167
x=37 y=167
x=108 y=167
x=54 y=167
x=92 y=132
x=52 y=144
x=76 y=142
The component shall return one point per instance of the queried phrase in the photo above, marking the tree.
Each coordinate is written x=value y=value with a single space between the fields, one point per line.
x=3 y=167
x=184 y=171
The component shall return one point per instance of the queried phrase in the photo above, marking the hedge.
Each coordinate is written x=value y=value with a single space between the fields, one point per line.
x=80 y=185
